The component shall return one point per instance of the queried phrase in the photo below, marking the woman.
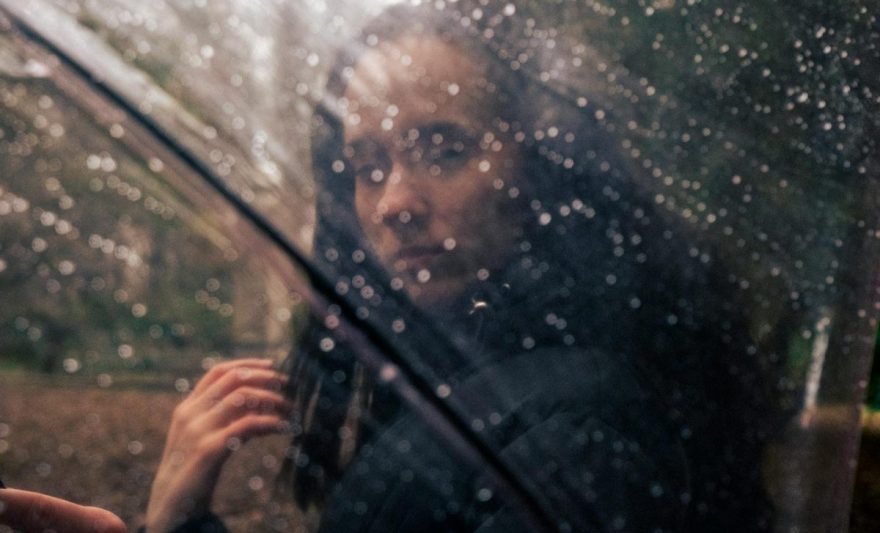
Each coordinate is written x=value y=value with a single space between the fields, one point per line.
x=601 y=376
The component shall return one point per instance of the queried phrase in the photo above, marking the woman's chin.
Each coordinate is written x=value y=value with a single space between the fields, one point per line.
x=435 y=294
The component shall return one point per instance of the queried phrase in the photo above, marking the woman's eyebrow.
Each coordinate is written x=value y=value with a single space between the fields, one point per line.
x=447 y=131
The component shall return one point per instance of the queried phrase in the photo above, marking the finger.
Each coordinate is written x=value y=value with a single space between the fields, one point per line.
x=251 y=426
x=233 y=435
x=247 y=400
x=240 y=377
x=220 y=369
x=32 y=511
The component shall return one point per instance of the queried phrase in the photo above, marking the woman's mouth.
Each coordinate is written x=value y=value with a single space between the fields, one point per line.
x=416 y=258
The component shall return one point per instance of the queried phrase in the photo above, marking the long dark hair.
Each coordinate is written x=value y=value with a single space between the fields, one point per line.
x=669 y=314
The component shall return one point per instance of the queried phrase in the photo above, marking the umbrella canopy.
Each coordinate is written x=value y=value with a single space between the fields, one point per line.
x=592 y=266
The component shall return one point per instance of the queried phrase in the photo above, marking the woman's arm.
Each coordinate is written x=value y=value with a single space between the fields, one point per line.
x=235 y=401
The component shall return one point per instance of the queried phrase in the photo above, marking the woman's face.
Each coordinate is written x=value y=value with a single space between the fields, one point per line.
x=433 y=171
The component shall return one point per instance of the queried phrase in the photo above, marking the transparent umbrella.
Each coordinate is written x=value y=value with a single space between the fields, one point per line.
x=565 y=267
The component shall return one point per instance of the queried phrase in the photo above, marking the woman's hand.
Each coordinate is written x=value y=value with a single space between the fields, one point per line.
x=31 y=511
x=235 y=401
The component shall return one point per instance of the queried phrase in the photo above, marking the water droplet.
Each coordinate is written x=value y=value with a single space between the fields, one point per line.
x=66 y=267
x=44 y=469
x=135 y=447
x=34 y=333
x=255 y=483
x=388 y=373
x=478 y=305
x=71 y=365
x=181 y=385
x=327 y=344
x=63 y=227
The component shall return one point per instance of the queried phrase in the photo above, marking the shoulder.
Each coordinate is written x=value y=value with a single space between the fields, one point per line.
x=581 y=425
x=555 y=378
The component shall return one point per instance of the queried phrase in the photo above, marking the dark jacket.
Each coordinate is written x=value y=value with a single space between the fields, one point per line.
x=574 y=424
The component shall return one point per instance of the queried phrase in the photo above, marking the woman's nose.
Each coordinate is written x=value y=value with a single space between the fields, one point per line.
x=402 y=202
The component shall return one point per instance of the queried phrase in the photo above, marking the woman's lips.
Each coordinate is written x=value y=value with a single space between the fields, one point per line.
x=417 y=257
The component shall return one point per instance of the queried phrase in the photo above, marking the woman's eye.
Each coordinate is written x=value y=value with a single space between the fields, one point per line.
x=449 y=155
x=370 y=174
